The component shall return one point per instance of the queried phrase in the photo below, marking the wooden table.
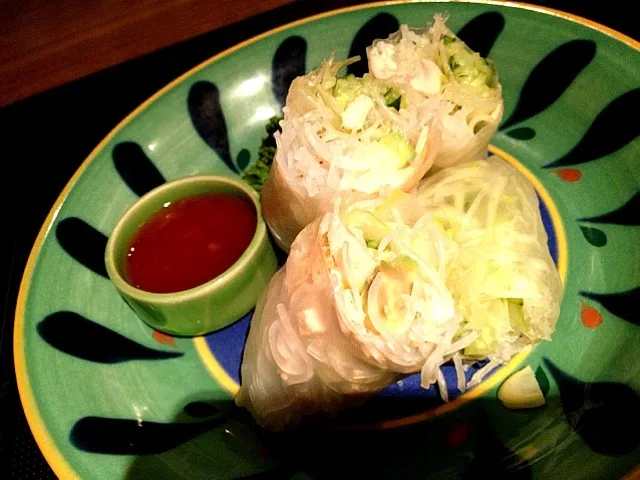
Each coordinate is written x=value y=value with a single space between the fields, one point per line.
x=45 y=43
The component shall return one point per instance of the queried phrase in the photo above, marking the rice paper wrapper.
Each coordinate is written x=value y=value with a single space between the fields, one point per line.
x=298 y=361
x=287 y=208
x=360 y=302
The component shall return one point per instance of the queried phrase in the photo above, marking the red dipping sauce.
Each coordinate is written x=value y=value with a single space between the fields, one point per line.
x=190 y=242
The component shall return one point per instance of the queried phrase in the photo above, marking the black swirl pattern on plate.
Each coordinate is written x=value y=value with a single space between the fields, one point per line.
x=550 y=78
x=610 y=131
x=481 y=32
x=135 y=168
x=605 y=414
x=208 y=119
x=243 y=159
x=117 y=436
x=522 y=133
x=289 y=62
x=628 y=214
x=83 y=243
x=76 y=335
x=594 y=236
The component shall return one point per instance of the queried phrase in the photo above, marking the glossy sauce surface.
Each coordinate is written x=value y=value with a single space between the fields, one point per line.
x=189 y=242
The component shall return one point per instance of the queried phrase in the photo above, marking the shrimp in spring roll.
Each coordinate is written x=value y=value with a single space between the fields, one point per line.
x=341 y=136
x=361 y=302
x=437 y=70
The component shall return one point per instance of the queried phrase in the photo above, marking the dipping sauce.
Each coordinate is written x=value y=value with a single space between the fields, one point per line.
x=189 y=242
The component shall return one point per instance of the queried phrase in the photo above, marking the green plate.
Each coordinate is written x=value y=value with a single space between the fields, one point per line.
x=106 y=397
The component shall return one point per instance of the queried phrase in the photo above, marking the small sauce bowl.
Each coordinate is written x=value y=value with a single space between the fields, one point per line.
x=214 y=304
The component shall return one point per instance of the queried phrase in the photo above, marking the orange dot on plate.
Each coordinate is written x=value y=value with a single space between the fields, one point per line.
x=569 y=174
x=591 y=318
x=163 y=339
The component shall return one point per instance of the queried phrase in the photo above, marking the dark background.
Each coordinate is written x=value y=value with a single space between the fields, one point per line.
x=44 y=138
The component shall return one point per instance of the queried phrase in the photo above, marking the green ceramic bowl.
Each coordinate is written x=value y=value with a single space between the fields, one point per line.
x=107 y=397
x=208 y=307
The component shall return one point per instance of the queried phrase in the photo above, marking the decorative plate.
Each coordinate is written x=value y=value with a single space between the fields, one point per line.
x=106 y=397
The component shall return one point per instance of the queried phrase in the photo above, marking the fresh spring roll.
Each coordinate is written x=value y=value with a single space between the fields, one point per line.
x=341 y=136
x=361 y=302
x=435 y=69
x=503 y=280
